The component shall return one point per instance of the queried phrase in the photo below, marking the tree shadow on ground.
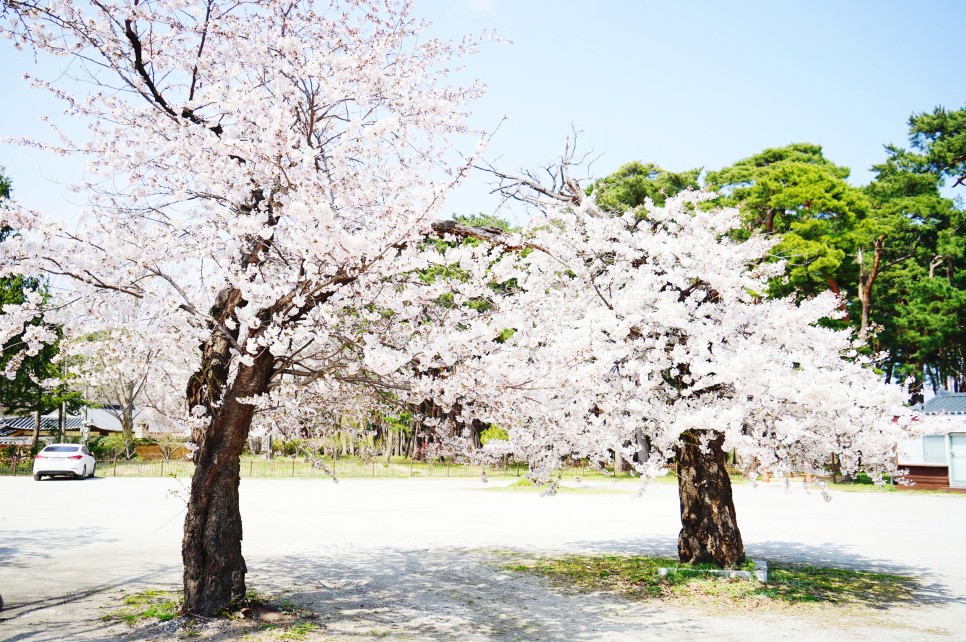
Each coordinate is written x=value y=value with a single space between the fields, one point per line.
x=73 y=615
x=440 y=594
x=471 y=595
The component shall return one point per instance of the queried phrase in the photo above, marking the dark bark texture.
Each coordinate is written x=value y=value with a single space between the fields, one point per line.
x=214 y=569
x=709 y=527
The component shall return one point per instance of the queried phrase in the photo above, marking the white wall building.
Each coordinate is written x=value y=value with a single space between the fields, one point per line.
x=939 y=459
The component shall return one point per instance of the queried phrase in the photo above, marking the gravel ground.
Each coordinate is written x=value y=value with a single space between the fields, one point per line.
x=424 y=559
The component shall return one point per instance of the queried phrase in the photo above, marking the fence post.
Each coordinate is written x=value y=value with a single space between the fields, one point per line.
x=250 y=464
x=115 y=466
x=411 y=464
x=162 y=467
x=293 y=466
x=14 y=460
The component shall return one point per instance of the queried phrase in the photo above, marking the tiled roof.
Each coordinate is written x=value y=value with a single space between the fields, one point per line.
x=946 y=403
x=46 y=423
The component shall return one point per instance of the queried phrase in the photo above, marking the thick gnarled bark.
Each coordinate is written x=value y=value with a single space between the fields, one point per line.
x=709 y=527
x=214 y=568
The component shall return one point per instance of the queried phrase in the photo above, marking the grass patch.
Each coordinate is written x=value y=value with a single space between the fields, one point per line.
x=298 y=631
x=806 y=583
x=147 y=605
x=255 y=614
x=566 y=486
x=788 y=584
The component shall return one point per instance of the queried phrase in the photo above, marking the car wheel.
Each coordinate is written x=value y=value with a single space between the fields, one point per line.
x=93 y=470
x=38 y=476
x=82 y=475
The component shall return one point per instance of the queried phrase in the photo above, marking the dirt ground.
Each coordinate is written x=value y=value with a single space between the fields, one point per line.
x=426 y=559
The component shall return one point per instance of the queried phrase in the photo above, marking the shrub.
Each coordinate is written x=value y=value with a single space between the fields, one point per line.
x=113 y=447
x=493 y=433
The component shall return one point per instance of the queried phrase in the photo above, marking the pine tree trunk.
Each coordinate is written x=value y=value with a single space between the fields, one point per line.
x=709 y=527
x=214 y=569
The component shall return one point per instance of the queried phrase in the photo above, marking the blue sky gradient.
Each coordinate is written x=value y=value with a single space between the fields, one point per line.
x=684 y=84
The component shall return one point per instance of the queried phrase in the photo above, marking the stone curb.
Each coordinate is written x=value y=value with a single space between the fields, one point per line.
x=760 y=573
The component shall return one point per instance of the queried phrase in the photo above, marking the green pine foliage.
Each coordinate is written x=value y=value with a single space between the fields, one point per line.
x=898 y=239
x=634 y=183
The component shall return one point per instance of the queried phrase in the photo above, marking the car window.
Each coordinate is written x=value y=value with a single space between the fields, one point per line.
x=61 y=449
x=85 y=451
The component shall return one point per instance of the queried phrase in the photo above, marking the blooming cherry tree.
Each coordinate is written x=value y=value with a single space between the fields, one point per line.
x=123 y=360
x=648 y=333
x=258 y=169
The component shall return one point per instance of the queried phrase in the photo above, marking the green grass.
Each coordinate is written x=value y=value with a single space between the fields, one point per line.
x=145 y=605
x=637 y=578
x=806 y=583
x=288 y=467
x=524 y=485
x=256 y=613
x=298 y=631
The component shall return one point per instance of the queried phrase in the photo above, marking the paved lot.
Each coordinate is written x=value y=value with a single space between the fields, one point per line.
x=413 y=558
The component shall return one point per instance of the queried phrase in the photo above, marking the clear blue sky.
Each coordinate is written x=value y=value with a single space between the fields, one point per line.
x=680 y=83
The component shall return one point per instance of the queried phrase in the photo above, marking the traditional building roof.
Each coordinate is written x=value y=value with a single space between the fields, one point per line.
x=47 y=423
x=100 y=418
x=946 y=403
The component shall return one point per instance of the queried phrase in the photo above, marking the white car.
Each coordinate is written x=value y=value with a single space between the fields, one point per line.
x=64 y=459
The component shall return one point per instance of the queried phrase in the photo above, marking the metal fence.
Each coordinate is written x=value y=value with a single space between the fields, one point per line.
x=288 y=467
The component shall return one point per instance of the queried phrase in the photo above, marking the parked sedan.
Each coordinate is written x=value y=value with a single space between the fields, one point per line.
x=64 y=459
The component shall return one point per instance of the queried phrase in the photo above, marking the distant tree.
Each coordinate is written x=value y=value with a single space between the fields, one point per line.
x=482 y=220
x=127 y=368
x=912 y=245
x=796 y=192
x=634 y=183
x=30 y=380
x=941 y=138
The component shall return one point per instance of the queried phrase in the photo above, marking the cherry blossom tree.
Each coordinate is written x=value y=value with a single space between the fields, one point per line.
x=649 y=332
x=258 y=170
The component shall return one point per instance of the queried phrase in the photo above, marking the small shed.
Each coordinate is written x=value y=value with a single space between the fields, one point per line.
x=938 y=459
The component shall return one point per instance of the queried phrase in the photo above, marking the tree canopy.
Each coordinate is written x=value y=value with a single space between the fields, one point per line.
x=940 y=136
x=31 y=381
x=634 y=183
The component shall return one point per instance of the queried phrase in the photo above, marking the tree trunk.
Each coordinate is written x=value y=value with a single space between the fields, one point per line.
x=643 y=445
x=709 y=527
x=36 y=435
x=770 y=221
x=916 y=395
x=127 y=412
x=867 y=277
x=214 y=569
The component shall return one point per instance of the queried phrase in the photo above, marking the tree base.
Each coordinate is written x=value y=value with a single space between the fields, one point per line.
x=709 y=526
